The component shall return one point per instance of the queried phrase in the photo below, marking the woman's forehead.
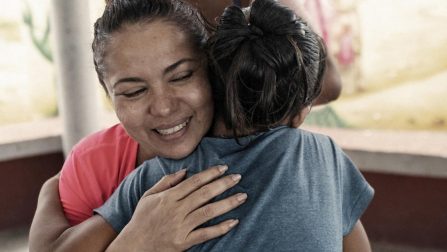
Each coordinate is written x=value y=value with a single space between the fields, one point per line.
x=147 y=47
x=151 y=41
x=149 y=31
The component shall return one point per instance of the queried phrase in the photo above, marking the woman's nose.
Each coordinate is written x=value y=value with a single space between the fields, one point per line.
x=163 y=104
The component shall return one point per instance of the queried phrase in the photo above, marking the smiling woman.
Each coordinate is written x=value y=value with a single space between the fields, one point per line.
x=148 y=57
x=161 y=96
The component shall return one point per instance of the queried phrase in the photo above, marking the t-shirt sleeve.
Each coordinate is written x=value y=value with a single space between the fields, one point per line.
x=93 y=170
x=76 y=205
x=356 y=192
x=119 y=208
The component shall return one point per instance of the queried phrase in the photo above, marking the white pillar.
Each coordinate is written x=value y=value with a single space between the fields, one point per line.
x=78 y=100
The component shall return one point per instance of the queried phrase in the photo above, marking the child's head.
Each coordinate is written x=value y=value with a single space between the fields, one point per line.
x=266 y=67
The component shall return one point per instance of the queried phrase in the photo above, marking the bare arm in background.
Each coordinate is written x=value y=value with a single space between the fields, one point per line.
x=331 y=88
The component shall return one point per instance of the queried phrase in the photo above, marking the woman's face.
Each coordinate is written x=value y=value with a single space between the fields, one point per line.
x=159 y=87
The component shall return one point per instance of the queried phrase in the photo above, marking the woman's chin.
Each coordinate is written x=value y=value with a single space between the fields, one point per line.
x=178 y=152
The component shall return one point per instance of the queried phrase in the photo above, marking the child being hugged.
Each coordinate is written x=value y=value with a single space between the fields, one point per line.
x=304 y=193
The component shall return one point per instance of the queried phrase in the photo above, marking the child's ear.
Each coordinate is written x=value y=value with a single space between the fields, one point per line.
x=299 y=118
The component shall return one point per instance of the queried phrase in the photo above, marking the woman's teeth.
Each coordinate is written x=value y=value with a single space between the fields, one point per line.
x=172 y=130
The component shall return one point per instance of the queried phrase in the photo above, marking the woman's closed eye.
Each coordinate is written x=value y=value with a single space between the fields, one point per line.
x=133 y=93
x=182 y=76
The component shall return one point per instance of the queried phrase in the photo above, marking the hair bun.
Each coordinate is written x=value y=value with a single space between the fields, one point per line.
x=274 y=19
x=264 y=68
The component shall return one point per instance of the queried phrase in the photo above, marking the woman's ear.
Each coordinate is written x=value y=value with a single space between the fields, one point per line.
x=299 y=118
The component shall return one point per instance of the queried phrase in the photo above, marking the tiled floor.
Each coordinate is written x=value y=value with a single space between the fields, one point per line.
x=16 y=240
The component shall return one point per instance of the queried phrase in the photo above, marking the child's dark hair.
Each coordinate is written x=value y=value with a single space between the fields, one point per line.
x=118 y=13
x=265 y=68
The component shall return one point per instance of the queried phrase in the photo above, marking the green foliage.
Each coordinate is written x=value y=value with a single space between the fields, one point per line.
x=43 y=43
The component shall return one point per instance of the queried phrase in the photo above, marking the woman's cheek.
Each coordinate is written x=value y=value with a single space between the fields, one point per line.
x=126 y=114
x=205 y=94
x=122 y=117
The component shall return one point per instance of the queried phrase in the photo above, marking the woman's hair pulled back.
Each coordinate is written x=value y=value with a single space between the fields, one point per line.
x=118 y=13
x=265 y=67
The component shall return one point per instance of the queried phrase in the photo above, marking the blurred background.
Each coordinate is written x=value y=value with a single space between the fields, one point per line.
x=392 y=56
x=391 y=117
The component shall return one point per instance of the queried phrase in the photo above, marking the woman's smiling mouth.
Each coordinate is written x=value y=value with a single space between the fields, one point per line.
x=172 y=130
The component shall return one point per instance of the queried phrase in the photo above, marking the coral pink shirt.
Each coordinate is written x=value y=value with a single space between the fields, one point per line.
x=93 y=170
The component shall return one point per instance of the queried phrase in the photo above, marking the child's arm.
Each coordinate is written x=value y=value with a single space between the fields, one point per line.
x=357 y=240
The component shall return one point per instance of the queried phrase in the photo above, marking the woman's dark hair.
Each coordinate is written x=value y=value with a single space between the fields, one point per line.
x=118 y=13
x=265 y=68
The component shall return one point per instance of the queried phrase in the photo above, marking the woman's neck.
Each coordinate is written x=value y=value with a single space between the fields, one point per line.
x=143 y=155
x=220 y=130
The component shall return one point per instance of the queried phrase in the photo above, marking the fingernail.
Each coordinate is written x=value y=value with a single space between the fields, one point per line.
x=241 y=197
x=233 y=223
x=223 y=168
x=181 y=171
x=236 y=177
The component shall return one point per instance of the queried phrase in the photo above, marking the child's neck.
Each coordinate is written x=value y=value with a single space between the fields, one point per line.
x=219 y=129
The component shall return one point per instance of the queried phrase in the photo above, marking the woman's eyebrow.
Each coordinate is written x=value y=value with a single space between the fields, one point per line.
x=128 y=79
x=178 y=63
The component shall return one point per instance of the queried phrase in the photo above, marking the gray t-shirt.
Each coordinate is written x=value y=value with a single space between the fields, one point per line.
x=304 y=193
